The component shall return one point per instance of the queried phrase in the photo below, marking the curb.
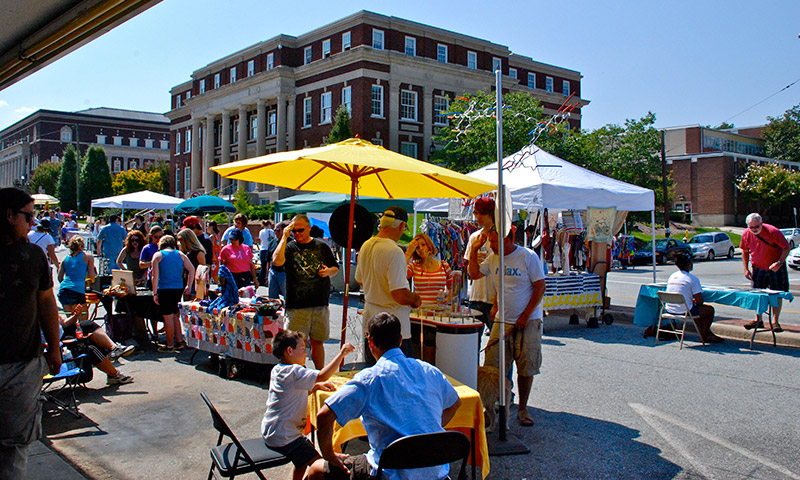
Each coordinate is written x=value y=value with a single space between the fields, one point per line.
x=44 y=463
x=734 y=330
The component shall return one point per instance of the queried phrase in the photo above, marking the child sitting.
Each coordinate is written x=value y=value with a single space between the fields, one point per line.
x=289 y=386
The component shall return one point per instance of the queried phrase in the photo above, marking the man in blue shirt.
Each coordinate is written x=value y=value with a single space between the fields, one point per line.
x=110 y=241
x=239 y=223
x=397 y=397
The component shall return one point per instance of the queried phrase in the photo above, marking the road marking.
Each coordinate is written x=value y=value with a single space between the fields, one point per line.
x=645 y=411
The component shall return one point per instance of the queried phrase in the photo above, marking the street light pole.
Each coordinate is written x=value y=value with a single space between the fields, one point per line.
x=664 y=180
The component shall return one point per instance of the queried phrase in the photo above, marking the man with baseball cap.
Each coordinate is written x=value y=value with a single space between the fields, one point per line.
x=194 y=224
x=481 y=296
x=381 y=270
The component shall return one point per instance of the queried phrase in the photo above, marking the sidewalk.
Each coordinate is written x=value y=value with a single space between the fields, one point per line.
x=45 y=464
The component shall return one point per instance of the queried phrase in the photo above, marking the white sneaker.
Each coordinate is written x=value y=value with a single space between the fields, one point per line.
x=119 y=379
x=121 y=351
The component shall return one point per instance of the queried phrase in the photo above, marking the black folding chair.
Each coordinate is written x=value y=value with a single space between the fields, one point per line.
x=236 y=458
x=426 y=450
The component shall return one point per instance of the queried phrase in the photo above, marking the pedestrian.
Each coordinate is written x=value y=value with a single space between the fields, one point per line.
x=190 y=246
x=382 y=270
x=277 y=275
x=55 y=227
x=481 y=295
x=239 y=260
x=212 y=231
x=168 y=270
x=268 y=243
x=240 y=222
x=689 y=286
x=77 y=267
x=309 y=264
x=130 y=255
x=193 y=224
x=765 y=249
x=110 y=241
x=42 y=238
x=432 y=277
x=29 y=311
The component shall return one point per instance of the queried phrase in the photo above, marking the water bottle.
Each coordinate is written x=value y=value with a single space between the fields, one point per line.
x=440 y=297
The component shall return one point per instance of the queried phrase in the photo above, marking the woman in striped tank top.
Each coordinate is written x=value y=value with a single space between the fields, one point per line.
x=430 y=275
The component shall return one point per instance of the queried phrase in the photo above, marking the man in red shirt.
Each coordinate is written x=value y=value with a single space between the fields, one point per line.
x=766 y=248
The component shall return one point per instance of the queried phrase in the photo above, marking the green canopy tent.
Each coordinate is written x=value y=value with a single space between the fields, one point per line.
x=324 y=202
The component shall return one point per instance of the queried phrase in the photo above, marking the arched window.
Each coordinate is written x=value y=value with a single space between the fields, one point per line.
x=66 y=134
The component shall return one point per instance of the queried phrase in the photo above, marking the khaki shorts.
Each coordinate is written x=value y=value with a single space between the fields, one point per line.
x=314 y=322
x=524 y=348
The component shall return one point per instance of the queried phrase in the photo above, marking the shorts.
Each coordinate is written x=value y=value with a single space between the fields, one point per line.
x=523 y=348
x=359 y=469
x=71 y=297
x=168 y=299
x=301 y=452
x=773 y=280
x=312 y=321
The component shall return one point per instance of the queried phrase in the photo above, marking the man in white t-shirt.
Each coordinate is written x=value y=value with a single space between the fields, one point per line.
x=381 y=270
x=689 y=286
x=41 y=237
x=524 y=289
x=481 y=295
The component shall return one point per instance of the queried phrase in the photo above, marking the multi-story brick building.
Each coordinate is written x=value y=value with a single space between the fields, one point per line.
x=130 y=139
x=705 y=163
x=395 y=77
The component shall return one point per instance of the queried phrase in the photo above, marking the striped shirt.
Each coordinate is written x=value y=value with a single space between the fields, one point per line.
x=428 y=284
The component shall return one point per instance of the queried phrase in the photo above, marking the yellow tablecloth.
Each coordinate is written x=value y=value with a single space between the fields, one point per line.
x=468 y=419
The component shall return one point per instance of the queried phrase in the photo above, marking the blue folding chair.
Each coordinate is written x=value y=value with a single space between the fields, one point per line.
x=74 y=373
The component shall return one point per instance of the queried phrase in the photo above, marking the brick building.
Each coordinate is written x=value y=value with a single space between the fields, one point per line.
x=395 y=76
x=130 y=139
x=705 y=163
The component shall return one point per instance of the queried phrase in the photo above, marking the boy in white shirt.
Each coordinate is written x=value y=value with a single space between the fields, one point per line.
x=289 y=386
x=689 y=286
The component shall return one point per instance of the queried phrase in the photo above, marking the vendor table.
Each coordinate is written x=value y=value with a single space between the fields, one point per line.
x=572 y=291
x=240 y=335
x=468 y=419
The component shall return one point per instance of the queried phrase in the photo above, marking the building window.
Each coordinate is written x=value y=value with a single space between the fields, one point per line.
x=548 y=84
x=235 y=138
x=270 y=61
x=203 y=86
x=307 y=55
x=117 y=165
x=216 y=80
x=177 y=180
x=408 y=105
x=441 y=104
x=251 y=68
x=472 y=60
x=232 y=75
x=272 y=120
x=253 y=127
x=66 y=134
x=377 y=39
x=188 y=147
x=345 y=41
x=408 y=149
x=377 y=141
x=565 y=87
x=133 y=164
x=411 y=46
x=441 y=53
x=307 y=119
x=148 y=143
x=531 y=80
x=325 y=108
x=512 y=72
x=326 y=48
x=347 y=95
x=118 y=141
x=178 y=143
x=187 y=177
x=134 y=142
x=188 y=95
x=101 y=139
x=177 y=101
x=164 y=144
x=497 y=64
x=377 y=101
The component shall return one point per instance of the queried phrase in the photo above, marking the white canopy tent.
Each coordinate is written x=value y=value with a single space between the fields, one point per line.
x=139 y=200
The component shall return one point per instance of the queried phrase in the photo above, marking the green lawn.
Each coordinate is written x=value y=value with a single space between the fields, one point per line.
x=736 y=239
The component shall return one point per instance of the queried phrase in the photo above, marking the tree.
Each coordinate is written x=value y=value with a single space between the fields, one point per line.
x=163 y=168
x=68 y=180
x=136 y=181
x=95 y=178
x=782 y=135
x=341 y=129
x=724 y=126
x=769 y=184
x=45 y=176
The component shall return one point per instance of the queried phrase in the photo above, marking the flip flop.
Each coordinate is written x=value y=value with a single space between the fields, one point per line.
x=524 y=418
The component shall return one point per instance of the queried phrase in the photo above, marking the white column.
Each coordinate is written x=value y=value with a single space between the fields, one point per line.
x=290 y=123
x=197 y=162
x=261 y=133
x=394 y=115
x=225 y=156
x=280 y=124
x=427 y=122
x=243 y=142
x=208 y=154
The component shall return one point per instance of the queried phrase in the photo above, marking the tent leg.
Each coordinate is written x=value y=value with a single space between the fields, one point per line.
x=653 y=233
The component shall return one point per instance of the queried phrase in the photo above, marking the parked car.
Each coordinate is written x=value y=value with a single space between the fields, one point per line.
x=793 y=259
x=711 y=245
x=792 y=236
x=666 y=248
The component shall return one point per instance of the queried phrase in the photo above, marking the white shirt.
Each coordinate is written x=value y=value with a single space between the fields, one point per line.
x=482 y=289
x=287 y=403
x=382 y=268
x=687 y=285
x=523 y=268
x=265 y=235
x=42 y=239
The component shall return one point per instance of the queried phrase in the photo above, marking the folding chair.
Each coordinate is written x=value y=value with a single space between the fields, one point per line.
x=236 y=458
x=426 y=450
x=664 y=299
x=74 y=372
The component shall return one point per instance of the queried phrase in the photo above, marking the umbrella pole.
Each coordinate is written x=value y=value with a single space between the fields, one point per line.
x=347 y=263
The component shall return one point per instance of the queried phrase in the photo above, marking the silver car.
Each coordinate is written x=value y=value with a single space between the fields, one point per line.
x=793 y=260
x=792 y=236
x=711 y=245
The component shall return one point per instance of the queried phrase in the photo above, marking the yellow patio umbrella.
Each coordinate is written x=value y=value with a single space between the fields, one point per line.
x=357 y=167
x=44 y=199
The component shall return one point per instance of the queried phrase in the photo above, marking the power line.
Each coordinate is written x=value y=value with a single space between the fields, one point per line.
x=762 y=101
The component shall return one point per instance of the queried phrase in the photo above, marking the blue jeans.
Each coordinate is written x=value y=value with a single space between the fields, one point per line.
x=277 y=284
x=266 y=259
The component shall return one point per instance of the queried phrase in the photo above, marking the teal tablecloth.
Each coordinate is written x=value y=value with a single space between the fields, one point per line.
x=646 y=313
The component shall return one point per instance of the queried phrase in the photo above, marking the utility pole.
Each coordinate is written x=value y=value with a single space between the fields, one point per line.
x=78 y=168
x=664 y=180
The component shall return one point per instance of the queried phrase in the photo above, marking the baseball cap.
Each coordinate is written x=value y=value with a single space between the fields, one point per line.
x=44 y=223
x=191 y=221
x=484 y=205
x=237 y=234
x=398 y=213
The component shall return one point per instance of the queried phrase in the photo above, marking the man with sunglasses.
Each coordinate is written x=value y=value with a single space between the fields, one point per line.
x=309 y=264
x=765 y=249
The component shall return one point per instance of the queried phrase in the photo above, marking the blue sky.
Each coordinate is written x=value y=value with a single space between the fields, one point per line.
x=690 y=62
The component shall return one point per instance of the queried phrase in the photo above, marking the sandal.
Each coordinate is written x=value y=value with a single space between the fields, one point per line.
x=524 y=418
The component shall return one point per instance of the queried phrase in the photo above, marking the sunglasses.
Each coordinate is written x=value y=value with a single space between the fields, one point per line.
x=757 y=227
x=298 y=230
x=28 y=215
